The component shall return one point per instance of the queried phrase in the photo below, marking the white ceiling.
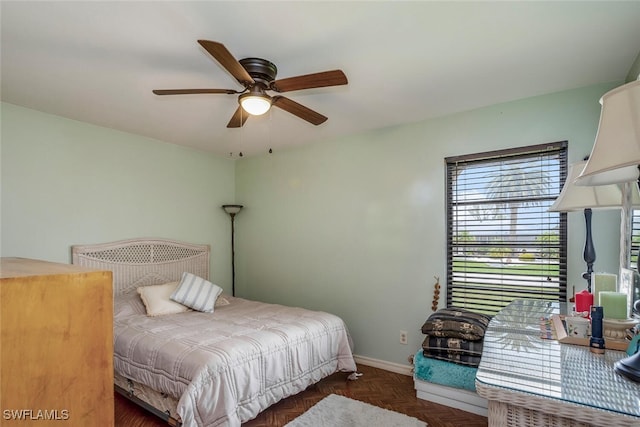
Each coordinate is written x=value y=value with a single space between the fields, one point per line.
x=97 y=62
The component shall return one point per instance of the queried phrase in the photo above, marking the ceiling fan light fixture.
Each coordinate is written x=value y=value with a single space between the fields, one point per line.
x=258 y=76
x=255 y=104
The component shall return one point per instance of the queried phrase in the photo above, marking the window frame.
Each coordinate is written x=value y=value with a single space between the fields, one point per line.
x=635 y=238
x=488 y=297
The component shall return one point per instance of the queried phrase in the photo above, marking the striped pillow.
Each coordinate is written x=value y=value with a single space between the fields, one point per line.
x=196 y=293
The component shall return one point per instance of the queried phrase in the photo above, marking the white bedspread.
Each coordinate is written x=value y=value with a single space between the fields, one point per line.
x=226 y=367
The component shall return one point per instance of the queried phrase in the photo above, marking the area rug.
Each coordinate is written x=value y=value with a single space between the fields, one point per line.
x=340 y=411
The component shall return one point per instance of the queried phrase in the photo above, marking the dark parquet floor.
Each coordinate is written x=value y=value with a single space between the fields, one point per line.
x=378 y=387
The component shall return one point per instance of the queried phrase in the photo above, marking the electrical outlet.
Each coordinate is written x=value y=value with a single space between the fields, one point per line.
x=403 y=337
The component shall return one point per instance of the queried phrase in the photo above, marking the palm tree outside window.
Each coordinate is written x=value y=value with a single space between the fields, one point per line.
x=502 y=244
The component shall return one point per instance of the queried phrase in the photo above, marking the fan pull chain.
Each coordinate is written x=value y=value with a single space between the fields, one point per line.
x=241 y=130
x=270 y=127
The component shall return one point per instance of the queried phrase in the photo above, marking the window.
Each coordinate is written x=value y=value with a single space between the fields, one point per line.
x=635 y=240
x=635 y=253
x=502 y=244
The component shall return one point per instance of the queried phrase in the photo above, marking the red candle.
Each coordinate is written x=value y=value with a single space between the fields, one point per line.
x=584 y=301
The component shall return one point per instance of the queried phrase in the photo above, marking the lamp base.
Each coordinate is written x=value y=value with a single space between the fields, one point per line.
x=629 y=367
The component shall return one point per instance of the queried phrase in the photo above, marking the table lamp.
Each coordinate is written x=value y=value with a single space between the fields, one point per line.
x=574 y=198
x=615 y=155
x=614 y=159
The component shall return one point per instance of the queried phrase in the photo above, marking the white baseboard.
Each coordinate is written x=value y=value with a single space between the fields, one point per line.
x=398 y=368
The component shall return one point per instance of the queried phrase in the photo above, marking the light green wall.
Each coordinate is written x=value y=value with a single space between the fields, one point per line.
x=66 y=182
x=356 y=226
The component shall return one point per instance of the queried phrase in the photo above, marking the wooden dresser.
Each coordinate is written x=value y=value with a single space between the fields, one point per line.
x=56 y=344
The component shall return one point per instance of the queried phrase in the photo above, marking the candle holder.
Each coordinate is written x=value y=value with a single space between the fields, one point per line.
x=616 y=329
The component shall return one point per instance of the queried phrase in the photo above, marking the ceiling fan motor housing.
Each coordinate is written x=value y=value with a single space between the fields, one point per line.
x=261 y=70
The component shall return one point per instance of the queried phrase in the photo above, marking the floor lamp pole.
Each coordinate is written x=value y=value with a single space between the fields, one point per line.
x=233 y=257
x=232 y=210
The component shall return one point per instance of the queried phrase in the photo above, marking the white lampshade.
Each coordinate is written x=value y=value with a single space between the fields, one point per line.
x=576 y=198
x=616 y=152
x=255 y=105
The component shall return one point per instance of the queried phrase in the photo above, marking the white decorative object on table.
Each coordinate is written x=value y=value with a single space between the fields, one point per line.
x=578 y=327
x=616 y=329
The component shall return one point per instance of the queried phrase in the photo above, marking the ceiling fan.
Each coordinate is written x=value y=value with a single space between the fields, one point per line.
x=258 y=75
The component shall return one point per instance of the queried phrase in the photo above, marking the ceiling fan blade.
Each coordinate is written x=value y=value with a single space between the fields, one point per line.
x=309 y=81
x=299 y=110
x=238 y=119
x=192 y=91
x=227 y=60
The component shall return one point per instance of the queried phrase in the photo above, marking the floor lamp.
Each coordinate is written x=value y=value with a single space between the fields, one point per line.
x=614 y=159
x=232 y=210
x=574 y=198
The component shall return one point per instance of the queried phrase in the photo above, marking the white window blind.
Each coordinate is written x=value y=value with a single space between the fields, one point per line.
x=635 y=240
x=502 y=244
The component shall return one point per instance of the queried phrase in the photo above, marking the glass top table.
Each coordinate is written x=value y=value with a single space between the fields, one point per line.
x=520 y=369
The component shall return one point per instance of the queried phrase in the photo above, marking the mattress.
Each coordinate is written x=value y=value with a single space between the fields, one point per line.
x=227 y=366
x=162 y=404
x=444 y=373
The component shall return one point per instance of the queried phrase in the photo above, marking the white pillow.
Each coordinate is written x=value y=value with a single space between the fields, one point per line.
x=196 y=293
x=157 y=299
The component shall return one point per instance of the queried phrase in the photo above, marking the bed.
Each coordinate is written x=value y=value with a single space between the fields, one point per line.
x=217 y=368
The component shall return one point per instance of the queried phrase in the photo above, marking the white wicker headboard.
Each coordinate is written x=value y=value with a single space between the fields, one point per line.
x=143 y=262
